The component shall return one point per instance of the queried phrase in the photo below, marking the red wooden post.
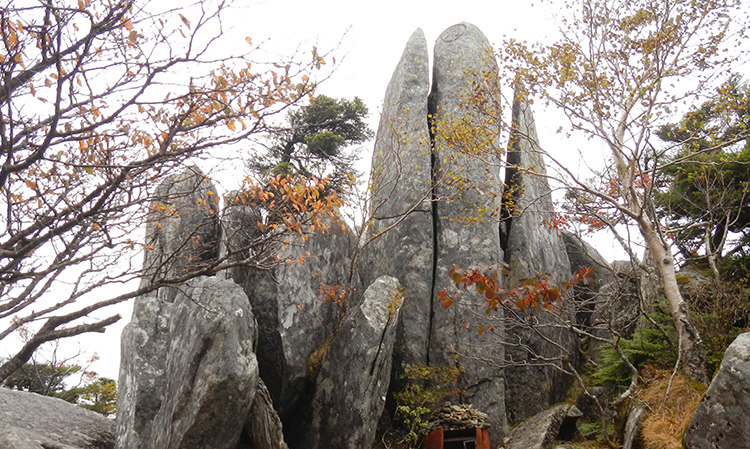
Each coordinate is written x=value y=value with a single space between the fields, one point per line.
x=483 y=439
x=434 y=440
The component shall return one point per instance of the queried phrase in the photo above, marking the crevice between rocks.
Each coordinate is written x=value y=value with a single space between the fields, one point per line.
x=433 y=208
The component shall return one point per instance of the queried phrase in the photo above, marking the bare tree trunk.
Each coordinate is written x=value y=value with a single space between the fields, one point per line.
x=692 y=352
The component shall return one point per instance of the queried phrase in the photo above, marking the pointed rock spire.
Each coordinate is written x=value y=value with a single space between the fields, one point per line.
x=533 y=247
x=402 y=197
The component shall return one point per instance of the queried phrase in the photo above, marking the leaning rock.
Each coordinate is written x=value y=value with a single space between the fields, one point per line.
x=532 y=246
x=209 y=371
x=32 y=421
x=182 y=233
x=720 y=421
x=468 y=189
x=264 y=424
x=537 y=432
x=401 y=200
x=353 y=381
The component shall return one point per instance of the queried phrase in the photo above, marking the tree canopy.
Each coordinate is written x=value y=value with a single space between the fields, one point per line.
x=706 y=179
x=315 y=139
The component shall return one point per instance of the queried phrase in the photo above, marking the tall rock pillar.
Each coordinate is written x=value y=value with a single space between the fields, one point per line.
x=401 y=233
x=467 y=190
x=533 y=248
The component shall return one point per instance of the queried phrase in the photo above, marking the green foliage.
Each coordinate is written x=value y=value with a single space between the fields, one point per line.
x=720 y=312
x=92 y=392
x=707 y=178
x=649 y=345
x=428 y=387
x=314 y=142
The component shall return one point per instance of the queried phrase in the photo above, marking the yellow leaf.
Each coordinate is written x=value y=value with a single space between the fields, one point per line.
x=230 y=125
x=127 y=24
x=81 y=4
x=249 y=41
x=30 y=184
x=185 y=21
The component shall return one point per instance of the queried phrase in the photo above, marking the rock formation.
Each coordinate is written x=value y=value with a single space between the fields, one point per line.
x=402 y=229
x=539 y=431
x=202 y=394
x=527 y=228
x=353 y=380
x=183 y=226
x=32 y=421
x=720 y=421
x=293 y=319
x=189 y=376
x=468 y=189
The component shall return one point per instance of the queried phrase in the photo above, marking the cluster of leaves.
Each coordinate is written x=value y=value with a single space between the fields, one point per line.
x=655 y=344
x=705 y=183
x=314 y=140
x=92 y=392
x=427 y=388
x=534 y=293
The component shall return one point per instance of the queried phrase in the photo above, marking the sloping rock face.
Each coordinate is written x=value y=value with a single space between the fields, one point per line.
x=532 y=248
x=183 y=226
x=468 y=190
x=293 y=319
x=402 y=229
x=353 y=381
x=720 y=421
x=208 y=371
x=32 y=421
x=582 y=255
x=539 y=431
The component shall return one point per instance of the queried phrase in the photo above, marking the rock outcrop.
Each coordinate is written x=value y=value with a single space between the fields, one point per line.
x=183 y=226
x=533 y=248
x=468 y=189
x=437 y=202
x=294 y=317
x=352 y=383
x=32 y=421
x=208 y=372
x=720 y=421
x=402 y=229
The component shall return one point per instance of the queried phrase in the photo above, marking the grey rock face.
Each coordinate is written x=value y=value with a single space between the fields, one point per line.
x=539 y=431
x=183 y=227
x=32 y=421
x=292 y=321
x=401 y=173
x=468 y=188
x=209 y=373
x=582 y=255
x=722 y=416
x=264 y=424
x=142 y=383
x=532 y=248
x=353 y=381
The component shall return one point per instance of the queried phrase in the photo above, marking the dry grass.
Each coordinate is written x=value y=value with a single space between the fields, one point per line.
x=666 y=421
